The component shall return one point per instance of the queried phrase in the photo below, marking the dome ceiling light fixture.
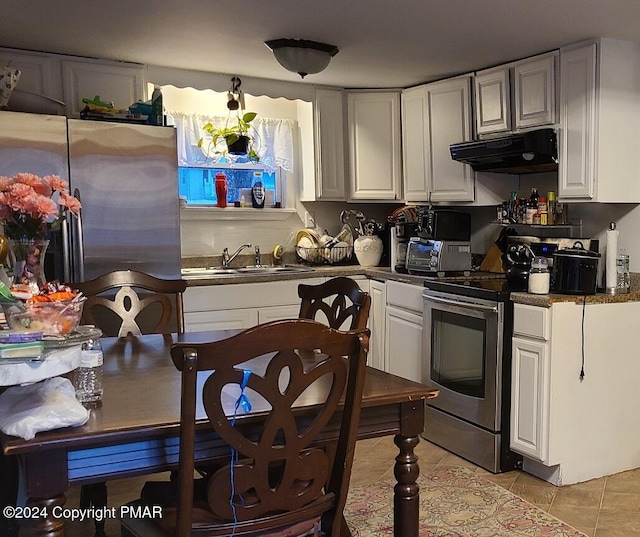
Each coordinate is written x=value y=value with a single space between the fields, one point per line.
x=301 y=55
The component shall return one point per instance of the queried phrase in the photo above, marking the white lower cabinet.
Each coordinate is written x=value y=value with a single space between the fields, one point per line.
x=378 y=292
x=275 y=313
x=224 y=307
x=403 y=330
x=201 y=321
x=575 y=375
x=404 y=343
x=529 y=398
x=530 y=376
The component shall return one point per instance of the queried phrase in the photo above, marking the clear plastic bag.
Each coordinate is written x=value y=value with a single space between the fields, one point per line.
x=44 y=406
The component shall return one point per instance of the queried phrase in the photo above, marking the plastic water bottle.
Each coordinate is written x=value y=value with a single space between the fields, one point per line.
x=88 y=377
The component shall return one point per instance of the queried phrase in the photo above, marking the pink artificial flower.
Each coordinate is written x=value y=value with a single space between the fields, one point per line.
x=42 y=207
x=26 y=202
x=70 y=203
x=40 y=186
x=56 y=183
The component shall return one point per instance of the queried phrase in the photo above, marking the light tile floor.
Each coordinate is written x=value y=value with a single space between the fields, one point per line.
x=606 y=507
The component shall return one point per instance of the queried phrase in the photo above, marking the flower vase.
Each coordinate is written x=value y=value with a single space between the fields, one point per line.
x=27 y=259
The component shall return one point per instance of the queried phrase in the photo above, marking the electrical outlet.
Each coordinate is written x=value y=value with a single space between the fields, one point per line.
x=309 y=220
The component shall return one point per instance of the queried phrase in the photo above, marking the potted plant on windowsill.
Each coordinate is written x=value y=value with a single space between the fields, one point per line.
x=237 y=138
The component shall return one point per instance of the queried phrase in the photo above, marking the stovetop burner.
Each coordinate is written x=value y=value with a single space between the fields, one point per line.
x=487 y=285
x=466 y=275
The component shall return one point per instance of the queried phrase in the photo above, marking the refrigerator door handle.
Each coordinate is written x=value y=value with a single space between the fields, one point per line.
x=66 y=251
x=79 y=241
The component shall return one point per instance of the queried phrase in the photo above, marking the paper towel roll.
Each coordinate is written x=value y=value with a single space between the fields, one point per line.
x=611 y=255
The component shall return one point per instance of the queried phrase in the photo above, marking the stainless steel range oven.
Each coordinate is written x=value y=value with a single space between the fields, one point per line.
x=467 y=356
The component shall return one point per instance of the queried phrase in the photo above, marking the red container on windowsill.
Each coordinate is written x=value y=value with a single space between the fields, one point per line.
x=221 y=189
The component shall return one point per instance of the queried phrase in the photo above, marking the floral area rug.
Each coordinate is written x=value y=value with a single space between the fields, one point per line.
x=454 y=502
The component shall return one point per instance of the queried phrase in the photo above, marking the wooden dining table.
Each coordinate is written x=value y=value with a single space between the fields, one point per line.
x=135 y=431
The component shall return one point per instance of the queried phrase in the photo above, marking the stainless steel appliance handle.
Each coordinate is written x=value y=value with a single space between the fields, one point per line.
x=79 y=241
x=66 y=250
x=458 y=303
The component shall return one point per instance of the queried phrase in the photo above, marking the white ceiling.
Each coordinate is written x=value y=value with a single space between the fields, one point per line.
x=383 y=43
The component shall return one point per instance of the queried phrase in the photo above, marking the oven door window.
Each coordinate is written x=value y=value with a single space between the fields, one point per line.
x=458 y=352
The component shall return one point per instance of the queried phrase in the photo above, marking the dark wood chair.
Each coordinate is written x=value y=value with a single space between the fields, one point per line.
x=139 y=300
x=279 y=482
x=338 y=301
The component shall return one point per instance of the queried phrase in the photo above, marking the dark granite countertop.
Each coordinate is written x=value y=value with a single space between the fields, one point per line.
x=385 y=274
x=329 y=271
x=599 y=298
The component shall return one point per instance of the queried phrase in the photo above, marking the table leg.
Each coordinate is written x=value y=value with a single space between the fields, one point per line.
x=45 y=475
x=406 y=498
x=50 y=526
x=8 y=493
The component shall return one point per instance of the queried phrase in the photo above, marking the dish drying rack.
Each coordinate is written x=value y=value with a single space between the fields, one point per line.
x=323 y=255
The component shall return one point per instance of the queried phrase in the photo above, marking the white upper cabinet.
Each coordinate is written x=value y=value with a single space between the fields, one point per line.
x=535 y=89
x=434 y=116
x=516 y=96
x=70 y=79
x=493 y=101
x=415 y=129
x=449 y=112
x=40 y=72
x=118 y=82
x=375 y=167
x=329 y=141
x=599 y=132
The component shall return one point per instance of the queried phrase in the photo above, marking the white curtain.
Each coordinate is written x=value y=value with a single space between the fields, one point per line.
x=273 y=140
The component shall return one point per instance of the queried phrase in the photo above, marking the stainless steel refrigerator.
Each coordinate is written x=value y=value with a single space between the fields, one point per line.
x=126 y=177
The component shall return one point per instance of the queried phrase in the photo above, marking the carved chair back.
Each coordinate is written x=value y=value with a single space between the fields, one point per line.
x=338 y=301
x=137 y=295
x=279 y=478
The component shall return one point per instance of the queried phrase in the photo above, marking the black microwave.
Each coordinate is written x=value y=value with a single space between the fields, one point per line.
x=445 y=225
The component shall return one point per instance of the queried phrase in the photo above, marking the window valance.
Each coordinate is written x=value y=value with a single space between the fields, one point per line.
x=273 y=139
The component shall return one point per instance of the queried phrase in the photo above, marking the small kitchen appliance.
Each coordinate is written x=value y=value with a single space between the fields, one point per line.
x=444 y=225
x=401 y=233
x=519 y=256
x=575 y=270
x=427 y=256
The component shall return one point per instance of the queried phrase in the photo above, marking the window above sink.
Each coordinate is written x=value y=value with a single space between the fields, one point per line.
x=196 y=184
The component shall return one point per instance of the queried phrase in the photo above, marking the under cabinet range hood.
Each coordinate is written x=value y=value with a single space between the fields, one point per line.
x=525 y=152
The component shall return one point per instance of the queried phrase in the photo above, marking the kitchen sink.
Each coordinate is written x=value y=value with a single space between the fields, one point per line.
x=205 y=272
x=266 y=269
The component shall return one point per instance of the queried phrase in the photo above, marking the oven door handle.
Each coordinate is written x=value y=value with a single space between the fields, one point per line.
x=480 y=307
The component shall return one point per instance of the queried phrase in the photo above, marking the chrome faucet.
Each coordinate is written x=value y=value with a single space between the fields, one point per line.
x=226 y=258
x=258 y=256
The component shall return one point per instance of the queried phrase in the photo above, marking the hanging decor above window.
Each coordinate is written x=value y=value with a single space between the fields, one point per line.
x=235 y=138
x=301 y=55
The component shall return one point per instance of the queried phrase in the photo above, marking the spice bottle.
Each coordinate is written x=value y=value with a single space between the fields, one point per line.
x=551 y=207
x=542 y=210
